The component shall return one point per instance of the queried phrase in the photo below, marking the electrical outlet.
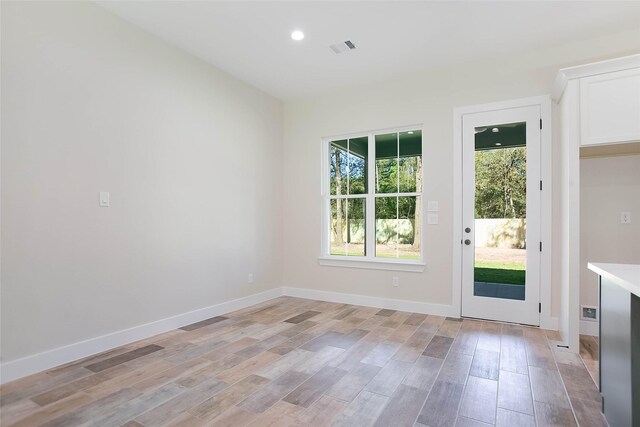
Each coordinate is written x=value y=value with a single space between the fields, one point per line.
x=250 y=278
x=395 y=282
x=625 y=217
x=589 y=312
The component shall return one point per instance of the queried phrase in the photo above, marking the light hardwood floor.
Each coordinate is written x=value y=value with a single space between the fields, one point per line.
x=297 y=362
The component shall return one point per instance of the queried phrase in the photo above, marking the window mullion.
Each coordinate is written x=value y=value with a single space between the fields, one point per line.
x=325 y=188
x=398 y=189
x=370 y=236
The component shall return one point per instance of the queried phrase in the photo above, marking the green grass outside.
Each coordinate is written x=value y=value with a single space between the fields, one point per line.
x=500 y=272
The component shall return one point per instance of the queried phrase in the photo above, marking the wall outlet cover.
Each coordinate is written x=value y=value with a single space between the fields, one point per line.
x=589 y=312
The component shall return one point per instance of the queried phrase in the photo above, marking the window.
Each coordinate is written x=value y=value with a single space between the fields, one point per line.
x=373 y=197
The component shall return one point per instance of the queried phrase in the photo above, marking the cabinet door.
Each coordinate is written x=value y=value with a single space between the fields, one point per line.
x=610 y=108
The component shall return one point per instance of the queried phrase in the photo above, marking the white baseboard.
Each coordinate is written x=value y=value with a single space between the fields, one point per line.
x=390 y=303
x=588 y=327
x=551 y=323
x=19 y=368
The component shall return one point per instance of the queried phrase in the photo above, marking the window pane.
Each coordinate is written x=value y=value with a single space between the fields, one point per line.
x=387 y=163
x=357 y=155
x=348 y=227
x=386 y=226
x=338 y=167
x=410 y=161
x=398 y=227
x=409 y=230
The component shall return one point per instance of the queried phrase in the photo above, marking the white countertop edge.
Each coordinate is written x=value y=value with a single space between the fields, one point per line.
x=625 y=275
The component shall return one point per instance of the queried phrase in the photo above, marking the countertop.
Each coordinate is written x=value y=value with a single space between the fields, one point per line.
x=624 y=275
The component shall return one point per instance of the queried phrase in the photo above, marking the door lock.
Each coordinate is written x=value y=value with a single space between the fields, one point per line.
x=467 y=230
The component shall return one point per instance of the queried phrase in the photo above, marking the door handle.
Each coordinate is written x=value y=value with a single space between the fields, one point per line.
x=467 y=242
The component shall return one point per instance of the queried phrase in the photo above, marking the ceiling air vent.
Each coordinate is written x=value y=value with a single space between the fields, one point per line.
x=343 y=47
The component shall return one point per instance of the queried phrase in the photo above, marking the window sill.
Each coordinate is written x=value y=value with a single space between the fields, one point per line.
x=383 y=264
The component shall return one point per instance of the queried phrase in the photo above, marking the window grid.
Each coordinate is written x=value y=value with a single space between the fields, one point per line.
x=369 y=196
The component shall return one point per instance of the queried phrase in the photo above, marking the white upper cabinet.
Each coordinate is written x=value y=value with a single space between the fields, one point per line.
x=610 y=108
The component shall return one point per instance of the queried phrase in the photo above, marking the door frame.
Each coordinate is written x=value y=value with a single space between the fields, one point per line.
x=546 y=209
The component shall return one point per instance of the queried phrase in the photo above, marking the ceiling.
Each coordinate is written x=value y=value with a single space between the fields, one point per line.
x=251 y=40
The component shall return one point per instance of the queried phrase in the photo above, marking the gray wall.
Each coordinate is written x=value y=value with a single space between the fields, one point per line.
x=191 y=157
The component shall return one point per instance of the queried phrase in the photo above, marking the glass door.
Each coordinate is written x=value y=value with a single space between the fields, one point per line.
x=501 y=215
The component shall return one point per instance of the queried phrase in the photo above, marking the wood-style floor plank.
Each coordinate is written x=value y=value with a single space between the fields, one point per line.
x=485 y=364
x=322 y=413
x=362 y=411
x=479 y=400
x=403 y=407
x=514 y=392
x=353 y=382
x=291 y=362
x=424 y=373
x=441 y=406
x=311 y=390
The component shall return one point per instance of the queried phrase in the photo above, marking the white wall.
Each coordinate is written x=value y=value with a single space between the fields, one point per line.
x=428 y=98
x=608 y=186
x=191 y=156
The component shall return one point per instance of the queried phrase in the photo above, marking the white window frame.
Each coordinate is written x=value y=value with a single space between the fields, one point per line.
x=369 y=261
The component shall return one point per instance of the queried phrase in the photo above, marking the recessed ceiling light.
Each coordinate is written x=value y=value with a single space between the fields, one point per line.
x=498 y=144
x=297 y=35
x=495 y=130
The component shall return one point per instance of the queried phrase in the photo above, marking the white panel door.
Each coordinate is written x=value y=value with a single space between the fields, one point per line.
x=501 y=215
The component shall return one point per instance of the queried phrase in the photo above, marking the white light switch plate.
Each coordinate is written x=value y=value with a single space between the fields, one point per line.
x=104 y=199
x=432 y=219
x=625 y=217
x=432 y=206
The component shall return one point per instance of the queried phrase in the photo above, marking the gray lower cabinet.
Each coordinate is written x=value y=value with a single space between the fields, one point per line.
x=619 y=354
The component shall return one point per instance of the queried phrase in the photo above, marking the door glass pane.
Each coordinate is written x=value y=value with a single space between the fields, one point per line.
x=347 y=234
x=500 y=211
x=387 y=163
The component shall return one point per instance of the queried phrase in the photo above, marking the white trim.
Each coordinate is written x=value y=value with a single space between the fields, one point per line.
x=546 y=320
x=19 y=368
x=456 y=262
x=372 y=264
x=589 y=327
x=59 y=356
x=550 y=323
x=368 y=301
x=546 y=214
x=579 y=71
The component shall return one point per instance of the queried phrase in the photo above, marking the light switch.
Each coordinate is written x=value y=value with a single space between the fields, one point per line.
x=104 y=199
x=432 y=206
x=432 y=219
x=625 y=217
